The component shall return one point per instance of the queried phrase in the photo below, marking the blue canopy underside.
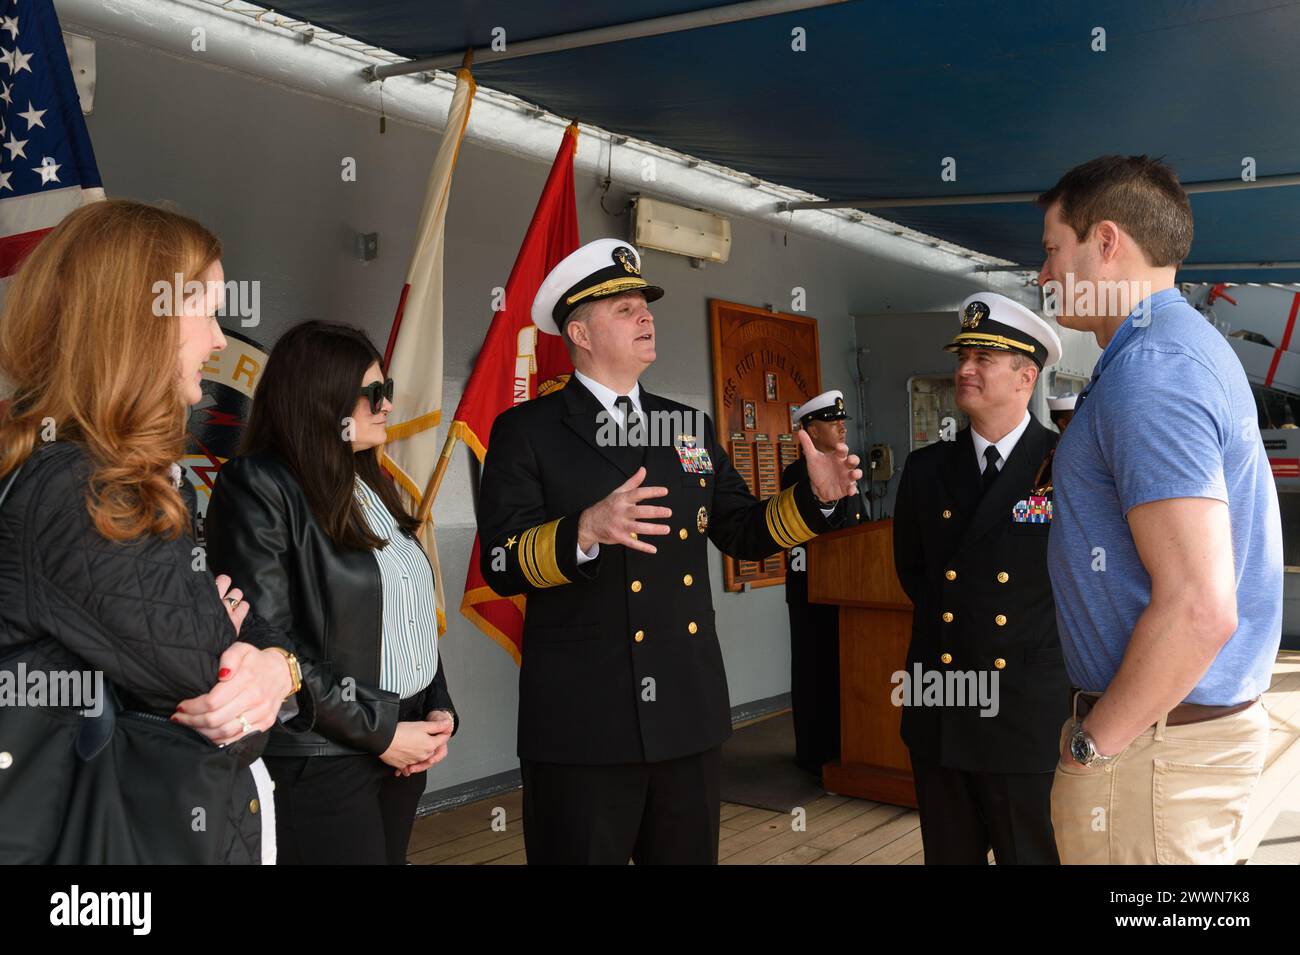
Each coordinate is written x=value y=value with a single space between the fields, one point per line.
x=1013 y=92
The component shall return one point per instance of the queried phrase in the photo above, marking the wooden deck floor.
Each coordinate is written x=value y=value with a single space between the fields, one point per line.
x=842 y=830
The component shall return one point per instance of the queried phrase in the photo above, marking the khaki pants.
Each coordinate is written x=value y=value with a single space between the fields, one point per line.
x=1176 y=794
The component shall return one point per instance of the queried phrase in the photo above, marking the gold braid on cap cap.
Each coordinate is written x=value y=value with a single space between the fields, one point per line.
x=973 y=337
x=610 y=287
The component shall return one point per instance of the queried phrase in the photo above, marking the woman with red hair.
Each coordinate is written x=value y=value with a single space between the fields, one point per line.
x=99 y=569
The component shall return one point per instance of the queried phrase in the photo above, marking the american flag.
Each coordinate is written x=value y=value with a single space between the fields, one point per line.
x=47 y=166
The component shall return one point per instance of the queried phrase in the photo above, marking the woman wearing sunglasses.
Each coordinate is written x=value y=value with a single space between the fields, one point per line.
x=310 y=528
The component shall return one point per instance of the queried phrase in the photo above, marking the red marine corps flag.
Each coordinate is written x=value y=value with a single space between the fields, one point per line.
x=517 y=364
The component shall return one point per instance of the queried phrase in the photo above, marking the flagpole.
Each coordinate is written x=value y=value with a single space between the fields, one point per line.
x=453 y=434
x=448 y=446
x=435 y=480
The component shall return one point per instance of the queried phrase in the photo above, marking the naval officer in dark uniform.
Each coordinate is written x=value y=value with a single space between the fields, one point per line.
x=985 y=690
x=596 y=503
x=815 y=628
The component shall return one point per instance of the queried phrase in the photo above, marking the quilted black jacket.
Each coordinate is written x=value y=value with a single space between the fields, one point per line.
x=138 y=611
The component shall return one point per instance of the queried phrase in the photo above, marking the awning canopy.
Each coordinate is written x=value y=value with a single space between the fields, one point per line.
x=1015 y=93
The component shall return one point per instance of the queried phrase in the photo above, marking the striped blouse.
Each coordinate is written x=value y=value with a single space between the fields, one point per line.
x=409 y=657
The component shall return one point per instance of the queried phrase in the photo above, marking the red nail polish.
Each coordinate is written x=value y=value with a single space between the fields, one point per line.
x=223 y=673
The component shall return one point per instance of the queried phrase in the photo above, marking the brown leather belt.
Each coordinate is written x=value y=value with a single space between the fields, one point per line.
x=1180 y=715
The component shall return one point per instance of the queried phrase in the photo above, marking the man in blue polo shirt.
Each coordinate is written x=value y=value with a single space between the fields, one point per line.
x=1166 y=547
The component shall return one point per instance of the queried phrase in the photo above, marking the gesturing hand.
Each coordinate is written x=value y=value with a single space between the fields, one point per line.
x=620 y=515
x=833 y=474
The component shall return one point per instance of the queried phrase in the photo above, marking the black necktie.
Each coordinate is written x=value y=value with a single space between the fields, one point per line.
x=624 y=404
x=991 y=458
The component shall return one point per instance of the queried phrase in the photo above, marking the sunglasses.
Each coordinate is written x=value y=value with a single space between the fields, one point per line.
x=377 y=391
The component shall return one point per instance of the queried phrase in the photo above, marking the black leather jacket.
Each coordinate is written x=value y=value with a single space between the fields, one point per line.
x=329 y=602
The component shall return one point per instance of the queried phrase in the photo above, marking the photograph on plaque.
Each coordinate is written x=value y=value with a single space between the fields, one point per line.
x=794 y=417
x=765 y=365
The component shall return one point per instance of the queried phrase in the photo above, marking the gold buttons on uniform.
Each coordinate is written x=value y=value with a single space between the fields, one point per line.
x=947 y=514
x=947 y=616
x=999 y=663
x=1000 y=620
x=950 y=574
x=946 y=657
x=1003 y=576
x=639 y=636
x=636 y=586
x=682 y=533
x=253 y=807
x=688 y=580
x=703 y=483
x=691 y=628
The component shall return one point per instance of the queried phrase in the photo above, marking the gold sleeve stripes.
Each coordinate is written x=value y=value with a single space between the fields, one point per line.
x=784 y=522
x=537 y=557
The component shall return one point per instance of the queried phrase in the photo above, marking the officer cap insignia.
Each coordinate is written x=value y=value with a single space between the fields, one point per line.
x=1005 y=325
x=975 y=313
x=624 y=257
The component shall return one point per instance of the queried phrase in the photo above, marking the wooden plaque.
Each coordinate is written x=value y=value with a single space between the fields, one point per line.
x=764 y=365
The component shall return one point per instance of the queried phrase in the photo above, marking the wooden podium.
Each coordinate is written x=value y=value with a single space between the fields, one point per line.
x=854 y=569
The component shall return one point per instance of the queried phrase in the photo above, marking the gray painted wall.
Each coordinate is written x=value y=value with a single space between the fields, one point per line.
x=261 y=166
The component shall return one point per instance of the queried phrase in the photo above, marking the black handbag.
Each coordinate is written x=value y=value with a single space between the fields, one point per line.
x=123 y=787
x=155 y=793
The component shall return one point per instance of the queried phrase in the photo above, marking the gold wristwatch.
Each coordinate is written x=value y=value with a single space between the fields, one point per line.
x=295 y=671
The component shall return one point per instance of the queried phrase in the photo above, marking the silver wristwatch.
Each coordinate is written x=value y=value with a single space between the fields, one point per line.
x=1084 y=749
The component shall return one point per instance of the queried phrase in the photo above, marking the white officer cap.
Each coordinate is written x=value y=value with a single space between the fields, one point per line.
x=1062 y=402
x=597 y=270
x=828 y=406
x=989 y=320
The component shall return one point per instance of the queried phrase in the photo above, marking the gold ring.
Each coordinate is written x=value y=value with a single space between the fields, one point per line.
x=233 y=602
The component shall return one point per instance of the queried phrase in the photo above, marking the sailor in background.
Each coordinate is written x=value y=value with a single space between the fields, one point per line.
x=1061 y=410
x=815 y=628
x=970 y=547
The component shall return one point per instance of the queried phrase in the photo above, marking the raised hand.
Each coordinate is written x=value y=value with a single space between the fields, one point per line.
x=834 y=474
x=620 y=515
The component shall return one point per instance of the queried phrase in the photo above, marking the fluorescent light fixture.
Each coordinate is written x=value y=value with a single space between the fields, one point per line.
x=681 y=231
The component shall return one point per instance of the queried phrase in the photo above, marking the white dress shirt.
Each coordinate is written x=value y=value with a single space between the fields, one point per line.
x=1005 y=446
x=607 y=397
x=408 y=652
